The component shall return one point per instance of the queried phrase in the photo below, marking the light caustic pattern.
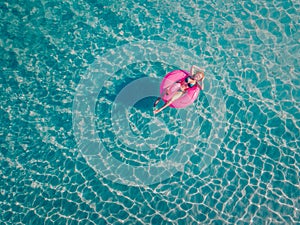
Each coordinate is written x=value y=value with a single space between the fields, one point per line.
x=125 y=132
x=54 y=174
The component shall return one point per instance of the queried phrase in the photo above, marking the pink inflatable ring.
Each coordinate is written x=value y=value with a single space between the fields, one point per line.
x=170 y=81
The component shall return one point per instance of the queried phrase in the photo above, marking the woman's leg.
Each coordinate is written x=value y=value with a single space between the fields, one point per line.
x=176 y=96
x=166 y=92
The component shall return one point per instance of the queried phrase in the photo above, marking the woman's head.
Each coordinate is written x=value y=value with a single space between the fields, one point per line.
x=199 y=76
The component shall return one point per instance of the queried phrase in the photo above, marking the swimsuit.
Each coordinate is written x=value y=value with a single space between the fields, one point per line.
x=189 y=84
x=186 y=81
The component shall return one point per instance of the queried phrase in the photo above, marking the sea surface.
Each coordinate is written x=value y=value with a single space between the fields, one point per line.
x=79 y=143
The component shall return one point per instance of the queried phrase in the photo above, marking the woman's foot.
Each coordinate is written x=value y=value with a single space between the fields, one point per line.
x=156 y=111
x=156 y=102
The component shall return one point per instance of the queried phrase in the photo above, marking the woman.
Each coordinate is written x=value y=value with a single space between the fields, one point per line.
x=185 y=84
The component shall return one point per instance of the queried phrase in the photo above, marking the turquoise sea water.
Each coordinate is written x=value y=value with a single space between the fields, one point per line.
x=231 y=158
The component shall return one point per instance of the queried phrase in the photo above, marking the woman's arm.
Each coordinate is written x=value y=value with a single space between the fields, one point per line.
x=202 y=83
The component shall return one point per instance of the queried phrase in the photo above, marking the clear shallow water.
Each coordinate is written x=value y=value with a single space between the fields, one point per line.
x=250 y=51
